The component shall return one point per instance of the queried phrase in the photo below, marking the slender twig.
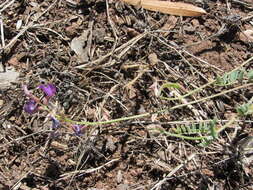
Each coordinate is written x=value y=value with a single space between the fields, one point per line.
x=112 y=26
x=6 y=6
x=209 y=83
x=156 y=186
x=123 y=46
x=2 y=31
x=13 y=40
x=88 y=170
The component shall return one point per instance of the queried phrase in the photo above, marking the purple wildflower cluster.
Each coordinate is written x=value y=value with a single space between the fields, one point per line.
x=34 y=104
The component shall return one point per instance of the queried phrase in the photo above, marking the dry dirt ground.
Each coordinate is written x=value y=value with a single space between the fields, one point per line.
x=126 y=54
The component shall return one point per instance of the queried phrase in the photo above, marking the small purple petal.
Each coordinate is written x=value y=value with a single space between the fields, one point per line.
x=49 y=89
x=30 y=106
x=55 y=123
x=77 y=129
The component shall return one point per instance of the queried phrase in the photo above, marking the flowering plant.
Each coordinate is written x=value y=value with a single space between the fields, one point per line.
x=34 y=104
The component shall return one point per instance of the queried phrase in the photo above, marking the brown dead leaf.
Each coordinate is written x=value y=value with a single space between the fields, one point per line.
x=132 y=32
x=174 y=8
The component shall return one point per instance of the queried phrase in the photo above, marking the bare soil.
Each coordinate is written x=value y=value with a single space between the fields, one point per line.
x=128 y=54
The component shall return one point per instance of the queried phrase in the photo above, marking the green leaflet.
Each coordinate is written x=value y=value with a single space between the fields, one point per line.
x=169 y=85
x=245 y=109
x=230 y=78
x=250 y=75
x=233 y=77
x=197 y=128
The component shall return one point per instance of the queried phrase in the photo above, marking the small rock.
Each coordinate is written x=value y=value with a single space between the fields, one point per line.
x=119 y=176
x=6 y=78
x=99 y=35
x=123 y=187
x=77 y=45
x=110 y=145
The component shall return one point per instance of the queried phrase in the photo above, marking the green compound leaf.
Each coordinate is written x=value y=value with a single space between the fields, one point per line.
x=201 y=128
x=191 y=129
x=230 y=78
x=245 y=109
x=207 y=141
x=250 y=75
x=213 y=131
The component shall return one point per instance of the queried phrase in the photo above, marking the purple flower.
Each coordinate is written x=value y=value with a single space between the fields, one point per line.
x=55 y=122
x=77 y=129
x=48 y=89
x=30 y=106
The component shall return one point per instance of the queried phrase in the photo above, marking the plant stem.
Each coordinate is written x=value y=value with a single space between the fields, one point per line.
x=148 y=114
x=209 y=83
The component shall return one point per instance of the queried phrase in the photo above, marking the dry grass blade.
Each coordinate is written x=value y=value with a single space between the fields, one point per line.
x=174 y=8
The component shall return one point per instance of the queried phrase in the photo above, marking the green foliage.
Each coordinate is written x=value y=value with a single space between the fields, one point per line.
x=234 y=76
x=230 y=78
x=204 y=131
x=213 y=131
x=245 y=109
x=168 y=86
x=193 y=128
x=206 y=141
x=213 y=135
x=250 y=75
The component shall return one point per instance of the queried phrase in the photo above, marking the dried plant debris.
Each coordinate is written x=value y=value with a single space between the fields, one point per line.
x=109 y=94
x=245 y=147
x=174 y=8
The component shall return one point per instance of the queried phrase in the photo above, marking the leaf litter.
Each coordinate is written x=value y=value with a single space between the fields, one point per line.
x=91 y=51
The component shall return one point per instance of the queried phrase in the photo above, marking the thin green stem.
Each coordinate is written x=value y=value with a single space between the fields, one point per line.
x=104 y=122
x=207 y=84
x=189 y=93
x=213 y=96
x=149 y=114
x=230 y=122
